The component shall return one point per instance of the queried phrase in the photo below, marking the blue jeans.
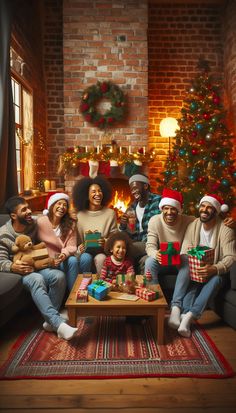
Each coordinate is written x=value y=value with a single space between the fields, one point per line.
x=156 y=269
x=198 y=295
x=47 y=288
x=182 y=283
x=73 y=266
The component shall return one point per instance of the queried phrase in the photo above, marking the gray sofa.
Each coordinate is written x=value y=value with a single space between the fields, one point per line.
x=13 y=297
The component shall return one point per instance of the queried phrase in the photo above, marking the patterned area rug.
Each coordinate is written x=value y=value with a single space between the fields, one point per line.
x=110 y=347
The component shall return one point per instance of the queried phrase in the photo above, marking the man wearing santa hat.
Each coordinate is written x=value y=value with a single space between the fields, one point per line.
x=190 y=298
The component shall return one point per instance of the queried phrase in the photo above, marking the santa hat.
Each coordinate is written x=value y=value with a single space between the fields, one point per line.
x=172 y=198
x=52 y=198
x=216 y=201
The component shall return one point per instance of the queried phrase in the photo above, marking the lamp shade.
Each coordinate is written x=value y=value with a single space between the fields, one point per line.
x=168 y=127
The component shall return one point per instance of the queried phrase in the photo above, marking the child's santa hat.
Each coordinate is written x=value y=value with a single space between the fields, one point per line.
x=172 y=198
x=52 y=198
x=216 y=201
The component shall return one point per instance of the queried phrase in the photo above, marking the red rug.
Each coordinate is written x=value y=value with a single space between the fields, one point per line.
x=109 y=347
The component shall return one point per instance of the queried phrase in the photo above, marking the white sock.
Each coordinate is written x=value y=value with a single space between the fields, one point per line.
x=174 y=319
x=47 y=326
x=184 y=328
x=65 y=331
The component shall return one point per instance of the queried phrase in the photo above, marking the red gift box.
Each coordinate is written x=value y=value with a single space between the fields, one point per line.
x=197 y=261
x=170 y=253
x=146 y=294
x=82 y=296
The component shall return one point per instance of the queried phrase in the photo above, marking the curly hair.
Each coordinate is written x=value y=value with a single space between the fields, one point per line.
x=67 y=222
x=80 y=192
x=118 y=236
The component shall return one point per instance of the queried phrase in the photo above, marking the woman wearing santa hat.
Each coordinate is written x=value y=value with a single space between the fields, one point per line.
x=58 y=230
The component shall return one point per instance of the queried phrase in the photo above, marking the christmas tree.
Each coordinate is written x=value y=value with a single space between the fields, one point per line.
x=200 y=161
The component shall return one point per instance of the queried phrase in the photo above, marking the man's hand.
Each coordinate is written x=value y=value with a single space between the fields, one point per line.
x=230 y=222
x=158 y=256
x=21 y=267
x=124 y=220
x=207 y=271
x=101 y=242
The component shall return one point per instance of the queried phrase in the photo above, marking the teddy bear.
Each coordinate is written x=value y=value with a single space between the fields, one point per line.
x=34 y=255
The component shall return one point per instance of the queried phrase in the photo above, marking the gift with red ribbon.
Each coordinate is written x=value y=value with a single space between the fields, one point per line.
x=146 y=294
x=170 y=253
x=198 y=257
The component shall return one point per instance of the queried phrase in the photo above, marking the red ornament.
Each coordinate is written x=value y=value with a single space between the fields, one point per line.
x=110 y=120
x=206 y=116
x=88 y=117
x=195 y=151
x=194 y=134
x=201 y=142
x=216 y=100
x=84 y=107
x=201 y=179
x=140 y=150
x=101 y=120
x=214 y=155
x=215 y=186
x=104 y=87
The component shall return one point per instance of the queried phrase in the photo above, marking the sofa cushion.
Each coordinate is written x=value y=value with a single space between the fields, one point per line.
x=3 y=219
x=10 y=288
x=233 y=276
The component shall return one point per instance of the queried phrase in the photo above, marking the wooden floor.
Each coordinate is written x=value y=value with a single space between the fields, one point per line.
x=178 y=395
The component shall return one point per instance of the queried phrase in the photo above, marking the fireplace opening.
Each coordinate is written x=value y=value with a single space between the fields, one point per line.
x=121 y=197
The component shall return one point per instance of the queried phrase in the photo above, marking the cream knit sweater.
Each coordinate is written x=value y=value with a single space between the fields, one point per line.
x=159 y=231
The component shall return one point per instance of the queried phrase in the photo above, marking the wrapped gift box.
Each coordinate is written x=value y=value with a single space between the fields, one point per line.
x=98 y=289
x=141 y=281
x=123 y=278
x=198 y=257
x=170 y=253
x=86 y=280
x=39 y=254
x=146 y=294
x=82 y=296
x=91 y=239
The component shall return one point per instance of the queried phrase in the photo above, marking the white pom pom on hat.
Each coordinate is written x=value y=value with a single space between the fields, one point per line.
x=52 y=198
x=216 y=201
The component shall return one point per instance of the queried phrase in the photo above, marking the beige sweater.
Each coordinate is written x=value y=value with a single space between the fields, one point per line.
x=159 y=231
x=223 y=242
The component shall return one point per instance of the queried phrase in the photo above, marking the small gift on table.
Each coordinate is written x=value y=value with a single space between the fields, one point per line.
x=146 y=294
x=141 y=281
x=198 y=257
x=86 y=280
x=91 y=240
x=170 y=253
x=123 y=278
x=81 y=296
x=98 y=289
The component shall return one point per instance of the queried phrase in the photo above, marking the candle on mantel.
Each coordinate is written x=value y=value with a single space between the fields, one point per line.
x=46 y=185
x=144 y=150
x=98 y=149
x=86 y=149
x=120 y=149
x=130 y=150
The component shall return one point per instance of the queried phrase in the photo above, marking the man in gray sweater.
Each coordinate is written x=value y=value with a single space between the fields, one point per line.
x=46 y=286
x=190 y=298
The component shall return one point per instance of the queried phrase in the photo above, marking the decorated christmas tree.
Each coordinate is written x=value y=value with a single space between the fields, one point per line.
x=200 y=161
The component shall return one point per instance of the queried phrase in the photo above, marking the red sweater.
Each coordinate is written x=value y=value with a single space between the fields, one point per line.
x=110 y=269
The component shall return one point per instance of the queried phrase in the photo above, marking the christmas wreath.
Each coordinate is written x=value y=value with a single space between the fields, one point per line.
x=91 y=97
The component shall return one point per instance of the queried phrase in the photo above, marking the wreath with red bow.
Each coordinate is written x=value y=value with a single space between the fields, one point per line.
x=93 y=95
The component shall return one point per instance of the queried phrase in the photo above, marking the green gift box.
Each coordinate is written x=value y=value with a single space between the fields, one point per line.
x=91 y=240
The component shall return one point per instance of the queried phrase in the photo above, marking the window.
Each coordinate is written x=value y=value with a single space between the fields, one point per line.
x=23 y=106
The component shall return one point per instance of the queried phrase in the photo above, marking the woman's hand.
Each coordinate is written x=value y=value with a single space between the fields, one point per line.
x=59 y=258
x=81 y=248
x=101 y=242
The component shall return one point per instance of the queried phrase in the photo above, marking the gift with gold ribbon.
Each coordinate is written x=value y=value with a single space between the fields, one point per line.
x=198 y=257
x=170 y=253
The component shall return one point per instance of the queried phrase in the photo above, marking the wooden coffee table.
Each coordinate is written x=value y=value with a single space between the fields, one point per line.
x=111 y=306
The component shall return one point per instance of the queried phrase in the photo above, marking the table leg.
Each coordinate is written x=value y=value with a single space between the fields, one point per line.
x=72 y=315
x=160 y=325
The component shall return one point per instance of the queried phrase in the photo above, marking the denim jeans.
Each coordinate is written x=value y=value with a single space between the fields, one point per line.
x=155 y=268
x=73 y=266
x=47 y=288
x=198 y=295
x=182 y=283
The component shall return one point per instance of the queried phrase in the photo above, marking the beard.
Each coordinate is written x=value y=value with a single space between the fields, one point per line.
x=25 y=222
x=209 y=216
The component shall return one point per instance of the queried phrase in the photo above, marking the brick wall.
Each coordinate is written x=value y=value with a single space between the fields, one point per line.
x=53 y=66
x=178 y=34
x=105 y=40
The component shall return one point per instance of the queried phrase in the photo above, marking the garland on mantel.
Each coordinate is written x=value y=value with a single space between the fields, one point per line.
x=116 y=156
x=95 y=93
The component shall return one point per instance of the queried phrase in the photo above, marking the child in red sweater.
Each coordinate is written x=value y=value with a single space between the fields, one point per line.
x=118 y=262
